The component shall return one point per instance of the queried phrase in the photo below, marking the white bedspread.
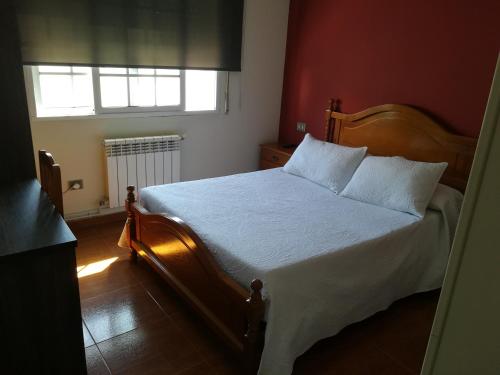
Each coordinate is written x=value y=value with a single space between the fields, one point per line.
x=326 y=261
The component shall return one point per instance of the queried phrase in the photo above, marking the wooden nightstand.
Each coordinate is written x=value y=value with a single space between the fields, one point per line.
x=274 y=155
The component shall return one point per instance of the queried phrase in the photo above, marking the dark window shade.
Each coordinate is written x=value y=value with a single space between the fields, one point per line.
x=184 y=34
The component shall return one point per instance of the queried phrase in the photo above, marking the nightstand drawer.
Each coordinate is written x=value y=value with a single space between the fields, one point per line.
x=274 y=156
x=264 y=164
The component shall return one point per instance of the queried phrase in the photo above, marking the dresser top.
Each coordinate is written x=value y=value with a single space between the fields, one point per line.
x=29 y=221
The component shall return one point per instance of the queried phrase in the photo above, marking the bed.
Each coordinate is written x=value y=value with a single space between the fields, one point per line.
x=271 y=283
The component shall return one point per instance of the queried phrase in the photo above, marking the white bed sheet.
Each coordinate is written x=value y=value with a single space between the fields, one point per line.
x=326 y=261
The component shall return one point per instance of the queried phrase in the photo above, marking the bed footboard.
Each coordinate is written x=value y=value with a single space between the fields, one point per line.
x=174 y=250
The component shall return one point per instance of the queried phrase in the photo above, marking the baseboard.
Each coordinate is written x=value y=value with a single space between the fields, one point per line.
x=99 y=219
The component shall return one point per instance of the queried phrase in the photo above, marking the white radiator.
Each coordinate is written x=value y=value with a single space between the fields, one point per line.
x=141 y=162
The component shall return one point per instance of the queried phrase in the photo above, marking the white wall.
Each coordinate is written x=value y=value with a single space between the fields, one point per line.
x=215 y=144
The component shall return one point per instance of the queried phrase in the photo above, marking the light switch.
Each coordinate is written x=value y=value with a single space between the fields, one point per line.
x=301 y=127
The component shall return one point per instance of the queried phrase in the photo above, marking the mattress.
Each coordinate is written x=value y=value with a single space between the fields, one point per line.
x=326 y=261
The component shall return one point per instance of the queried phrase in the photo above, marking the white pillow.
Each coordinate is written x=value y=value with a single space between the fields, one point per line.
x=325 y=163
x=395 y=183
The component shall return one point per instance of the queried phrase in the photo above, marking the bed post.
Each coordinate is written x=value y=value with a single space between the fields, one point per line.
x=50 y=179
x=131 y=221
x=254 y=337
x=329 y=121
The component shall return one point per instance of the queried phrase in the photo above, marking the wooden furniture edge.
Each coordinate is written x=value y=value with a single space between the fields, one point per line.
x=50 y=179
x=277 y=147
x=274 y=155
x=219 y=299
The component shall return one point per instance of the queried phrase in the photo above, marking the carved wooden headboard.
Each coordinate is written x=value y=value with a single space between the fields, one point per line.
x=399 y=130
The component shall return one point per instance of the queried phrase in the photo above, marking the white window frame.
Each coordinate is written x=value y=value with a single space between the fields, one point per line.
x=33 y=94
x=35 y=81
x=96 y=75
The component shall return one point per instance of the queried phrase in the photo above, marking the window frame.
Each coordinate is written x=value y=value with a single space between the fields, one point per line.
x=33 y=94
x=35 y=81
x=96 y=75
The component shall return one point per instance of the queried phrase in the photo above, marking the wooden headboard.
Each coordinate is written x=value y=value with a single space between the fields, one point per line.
x=399 y=130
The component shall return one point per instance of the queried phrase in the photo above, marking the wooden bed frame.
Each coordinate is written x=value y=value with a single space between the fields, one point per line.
x=236 y=314
x=50 y=179
x=399 y=130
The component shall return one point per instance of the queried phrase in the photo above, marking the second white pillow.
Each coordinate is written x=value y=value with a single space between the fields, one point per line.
x=325 y=163
x=395 y=183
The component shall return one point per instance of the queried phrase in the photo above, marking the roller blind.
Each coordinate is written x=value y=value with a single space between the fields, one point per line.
x=184 y=34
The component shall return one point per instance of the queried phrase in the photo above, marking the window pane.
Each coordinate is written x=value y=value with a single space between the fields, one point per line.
x=82 y=69
x=142 y=91
x=168 y=72
x=114 y=91
x=83 y=94
x=148 y=72
x=54 y=69
x=201 y=90
x=56 y=90
x=168 y=91
x=141 y=71
x=113 y=70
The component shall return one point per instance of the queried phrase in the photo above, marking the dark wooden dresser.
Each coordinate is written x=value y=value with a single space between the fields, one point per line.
x=40 y=317
x=274 y=155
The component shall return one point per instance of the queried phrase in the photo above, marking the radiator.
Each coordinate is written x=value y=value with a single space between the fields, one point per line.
x=141 y=162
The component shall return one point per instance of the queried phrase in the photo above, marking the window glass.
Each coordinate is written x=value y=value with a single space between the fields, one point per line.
x=63 y=89
x=54 y=69
x=114 y=91
x=82 y=69
x=83 y=95
x=201 y=90
x=168 y=91
x=56 y=90
x=148 y=72
x=113 y=70
x=142 y=91
x=168 y=72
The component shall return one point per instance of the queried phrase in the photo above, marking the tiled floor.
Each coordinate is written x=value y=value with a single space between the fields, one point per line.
x=134 y=324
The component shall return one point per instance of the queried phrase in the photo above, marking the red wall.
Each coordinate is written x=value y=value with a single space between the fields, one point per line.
x=438 y=56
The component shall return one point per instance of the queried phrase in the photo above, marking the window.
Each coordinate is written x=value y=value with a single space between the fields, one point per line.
x=63 y=91
x=135 y=88
x=82 y=91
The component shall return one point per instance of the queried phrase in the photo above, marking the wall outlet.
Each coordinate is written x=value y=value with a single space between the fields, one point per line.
x=75 y=184
x=301 y=127
x=104 y=203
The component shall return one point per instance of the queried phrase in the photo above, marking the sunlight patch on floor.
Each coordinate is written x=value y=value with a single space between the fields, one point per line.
x=95 y=267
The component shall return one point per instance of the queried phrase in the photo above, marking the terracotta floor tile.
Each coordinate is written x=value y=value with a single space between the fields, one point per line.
x=159 y=344
x=349 y=359
x=117 y=275
x=95 y=362
x=107 y=230
x=120 y=311
x=145 y=274
x=199 y=369
x=404 y=338
x=87 y=338
x=229 y=367
x=153 y=364
x=95 y=249
x=83 y=233
x=165 y=296
x=205 y=341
